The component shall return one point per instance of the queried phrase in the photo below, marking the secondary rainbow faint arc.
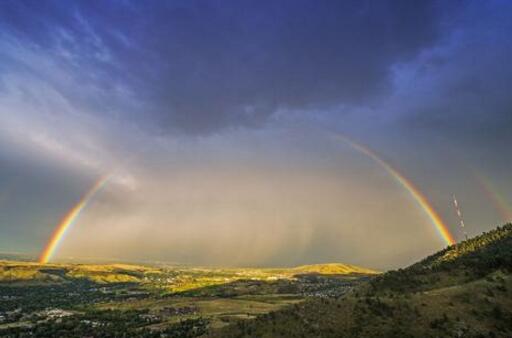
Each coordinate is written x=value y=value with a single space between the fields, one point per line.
x=68 y=220
x=408 y=185
x=496 y=198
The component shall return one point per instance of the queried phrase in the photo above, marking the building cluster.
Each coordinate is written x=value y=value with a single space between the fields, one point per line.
x=169 y=311
x=316 y=286
x=55 y=313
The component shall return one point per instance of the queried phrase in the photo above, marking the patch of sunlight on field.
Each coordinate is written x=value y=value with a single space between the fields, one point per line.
x=103 y=277
x=7 y=275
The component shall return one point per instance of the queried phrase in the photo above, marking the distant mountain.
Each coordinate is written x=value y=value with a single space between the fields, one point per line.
x=32 y=272
x=464 y=290
x=332 y=269
x=15 y=271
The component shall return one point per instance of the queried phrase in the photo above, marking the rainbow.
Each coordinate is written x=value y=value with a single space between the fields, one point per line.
x=496 y=198
x=416 y=194
x=68 y=220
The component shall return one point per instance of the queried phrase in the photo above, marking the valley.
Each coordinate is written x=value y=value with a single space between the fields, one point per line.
x=152 y=301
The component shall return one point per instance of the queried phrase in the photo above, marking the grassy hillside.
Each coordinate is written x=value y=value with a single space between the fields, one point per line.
x=458 y=264
x=462 y=291
x=35 y=273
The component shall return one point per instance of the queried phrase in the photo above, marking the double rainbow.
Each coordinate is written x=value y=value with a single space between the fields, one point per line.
x=69 y=219
x=415 y=193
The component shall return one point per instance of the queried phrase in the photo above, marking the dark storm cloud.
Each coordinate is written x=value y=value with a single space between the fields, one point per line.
x=462 y=87
x=201 y=66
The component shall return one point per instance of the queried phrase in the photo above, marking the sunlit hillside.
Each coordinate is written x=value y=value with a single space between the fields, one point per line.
x=462 y=291
x=491 y=245
x=333 y=269
x=13 y=271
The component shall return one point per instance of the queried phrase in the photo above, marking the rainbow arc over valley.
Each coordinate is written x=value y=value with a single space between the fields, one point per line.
x=69 y=219
x=415 y=193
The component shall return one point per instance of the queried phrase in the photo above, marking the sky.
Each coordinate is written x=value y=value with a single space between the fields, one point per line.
x=221 y=125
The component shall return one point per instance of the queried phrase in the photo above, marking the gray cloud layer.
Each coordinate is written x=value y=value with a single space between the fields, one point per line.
x=199 y=67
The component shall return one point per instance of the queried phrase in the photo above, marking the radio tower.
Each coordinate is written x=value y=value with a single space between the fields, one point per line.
x=461 y=219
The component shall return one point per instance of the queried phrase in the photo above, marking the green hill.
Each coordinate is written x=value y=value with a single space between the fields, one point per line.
x=458 y=264
x=35 y=273
x=464 y=290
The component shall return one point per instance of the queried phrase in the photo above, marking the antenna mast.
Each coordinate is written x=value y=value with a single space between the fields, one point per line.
x=461 y=219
